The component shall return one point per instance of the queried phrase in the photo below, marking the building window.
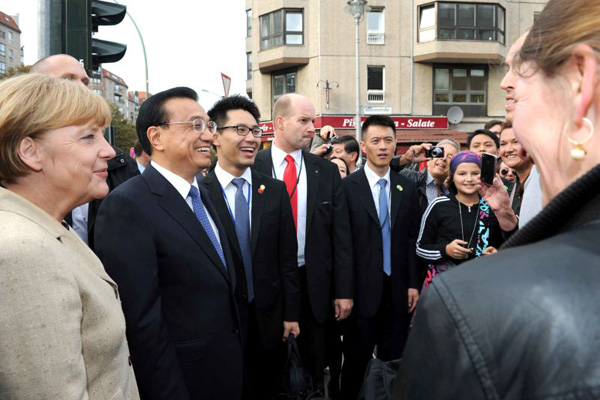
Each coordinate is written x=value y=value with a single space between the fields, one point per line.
x=462 y=21
x=2 y=67
x=375 y=84
x=249 y=65
x=427 y=24
x=375 y=27
x=281 y=27
x=283 y=83
x=117 y=87
x=464 y=86
x=2 y=34
x=98 y=91
x=248 y=23
x=11 y=54
x=10 y=36
x=2 y=50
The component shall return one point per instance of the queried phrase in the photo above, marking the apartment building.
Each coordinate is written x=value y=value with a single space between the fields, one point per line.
x=418 y=60
x=11 y=53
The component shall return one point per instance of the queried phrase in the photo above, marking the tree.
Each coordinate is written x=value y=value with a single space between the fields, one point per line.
x=125 y=134
x=23 y=69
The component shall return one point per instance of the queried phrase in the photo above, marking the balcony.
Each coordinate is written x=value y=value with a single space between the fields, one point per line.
x=375 y=96
x=375 y=38
x=282 y=57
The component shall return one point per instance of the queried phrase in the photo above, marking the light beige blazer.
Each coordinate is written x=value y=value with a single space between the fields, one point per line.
x=62 y=330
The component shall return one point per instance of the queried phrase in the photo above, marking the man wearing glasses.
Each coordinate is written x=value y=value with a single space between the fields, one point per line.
x=257 y=216
x=160 y=238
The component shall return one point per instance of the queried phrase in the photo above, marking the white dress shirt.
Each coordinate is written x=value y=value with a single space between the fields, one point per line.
x=279 y=165
x=183 y=187
x=227 y=186
x=373 y=180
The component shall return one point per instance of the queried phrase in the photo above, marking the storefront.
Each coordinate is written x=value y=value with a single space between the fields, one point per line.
x=409 y=129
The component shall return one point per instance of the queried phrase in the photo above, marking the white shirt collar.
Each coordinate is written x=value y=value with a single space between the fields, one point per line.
x=225 y=177
x=278 y=156
x=180 y=184
x=373 y=178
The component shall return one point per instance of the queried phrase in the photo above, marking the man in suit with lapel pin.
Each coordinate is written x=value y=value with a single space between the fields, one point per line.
x=321 y=216
x=384 y=218
x=161 y=240
x=257 y=216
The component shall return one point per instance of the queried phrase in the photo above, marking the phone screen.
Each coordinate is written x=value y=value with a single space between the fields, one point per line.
x=488 y=168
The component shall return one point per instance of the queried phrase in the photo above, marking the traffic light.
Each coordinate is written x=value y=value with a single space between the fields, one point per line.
x=105 y=13
x=72 y=25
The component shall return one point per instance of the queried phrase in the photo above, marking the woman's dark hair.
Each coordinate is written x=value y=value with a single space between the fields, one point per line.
x=345 y=163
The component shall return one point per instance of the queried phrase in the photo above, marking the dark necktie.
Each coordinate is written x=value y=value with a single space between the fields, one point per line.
x=200 y=212
x=291 y=182
x=384 y=221
x=242 y=229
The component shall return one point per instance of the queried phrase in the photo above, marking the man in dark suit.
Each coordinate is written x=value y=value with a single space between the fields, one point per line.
x=256 y=213
x=384 y=216
x=321 y=216
x=160 y=239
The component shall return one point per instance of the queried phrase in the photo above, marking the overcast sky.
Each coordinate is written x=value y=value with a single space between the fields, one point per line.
x=188 y=43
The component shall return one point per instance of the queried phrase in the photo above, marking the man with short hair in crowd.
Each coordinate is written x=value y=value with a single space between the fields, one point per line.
x=384 y=218
x=256 y=213
x=141 y=157
x=483 y=141
x=346 y=148
x=323 y=231
x=494 y=126
x=120 y=167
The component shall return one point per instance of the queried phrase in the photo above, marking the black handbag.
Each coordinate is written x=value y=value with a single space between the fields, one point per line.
x=379 y=380
x=296 y=382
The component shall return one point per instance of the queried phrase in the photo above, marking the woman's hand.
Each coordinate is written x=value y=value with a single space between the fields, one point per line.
x=456 y=250
x=490 y=250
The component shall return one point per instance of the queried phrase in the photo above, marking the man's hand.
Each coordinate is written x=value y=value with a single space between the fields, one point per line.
x=290 y=327
x=343 y=307
x=321 y=150
x=415 y=154
x=456 y=250
x=496 y=196
x=413 y=299
x=490 y=250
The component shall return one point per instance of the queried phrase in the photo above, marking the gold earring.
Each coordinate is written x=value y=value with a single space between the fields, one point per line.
x=579 y=152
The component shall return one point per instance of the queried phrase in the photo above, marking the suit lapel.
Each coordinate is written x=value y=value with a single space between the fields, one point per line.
x=258 y=200
x=215 y=191
x=397 y=196
x=174 y=205
x=365 y=194
x=312 y=183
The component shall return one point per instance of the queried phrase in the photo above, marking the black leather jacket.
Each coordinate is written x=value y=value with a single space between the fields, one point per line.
x=521 y=324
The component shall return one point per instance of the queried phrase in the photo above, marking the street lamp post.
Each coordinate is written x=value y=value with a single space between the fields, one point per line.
x=357 y=9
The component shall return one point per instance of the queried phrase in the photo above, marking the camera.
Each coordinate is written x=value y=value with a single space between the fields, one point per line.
x=329 y=150
x=434 y=152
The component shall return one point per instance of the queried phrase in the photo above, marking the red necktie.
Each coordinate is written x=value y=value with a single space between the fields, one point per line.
x=290 y=179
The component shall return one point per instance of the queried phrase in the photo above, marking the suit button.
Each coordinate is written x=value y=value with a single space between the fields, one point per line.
x=244 y=297
x=236 y=332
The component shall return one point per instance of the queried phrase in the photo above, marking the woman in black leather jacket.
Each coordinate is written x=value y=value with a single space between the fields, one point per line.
x=525 y=323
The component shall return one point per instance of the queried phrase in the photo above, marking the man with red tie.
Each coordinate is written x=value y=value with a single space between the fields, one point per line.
x=322 y=227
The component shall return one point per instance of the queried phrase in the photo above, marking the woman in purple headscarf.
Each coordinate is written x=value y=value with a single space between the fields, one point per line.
x=461 y=226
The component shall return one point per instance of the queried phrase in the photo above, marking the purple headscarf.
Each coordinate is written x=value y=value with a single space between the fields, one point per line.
x=464 y=157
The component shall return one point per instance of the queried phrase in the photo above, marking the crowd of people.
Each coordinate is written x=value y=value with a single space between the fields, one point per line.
x=172 y=274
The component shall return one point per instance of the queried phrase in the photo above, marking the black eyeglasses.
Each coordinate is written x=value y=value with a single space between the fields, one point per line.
x=198 y=125
x=244 y=130
x=504 y=172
